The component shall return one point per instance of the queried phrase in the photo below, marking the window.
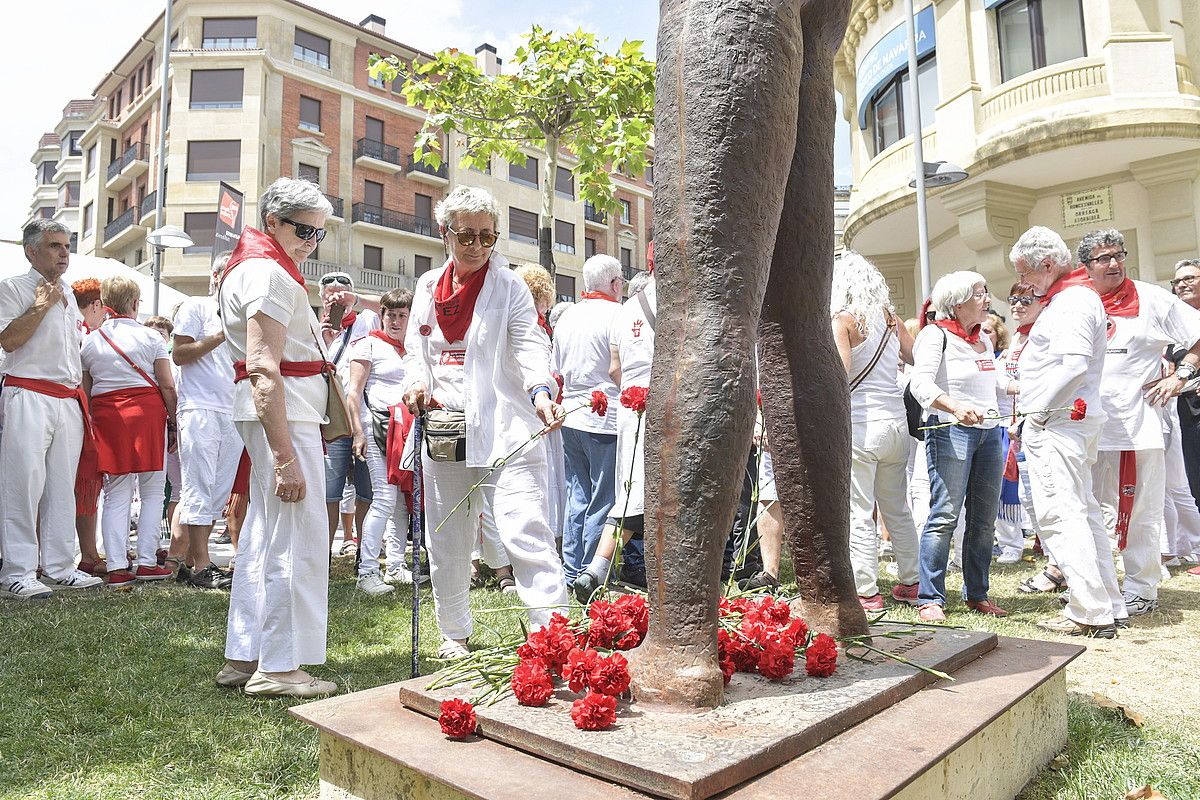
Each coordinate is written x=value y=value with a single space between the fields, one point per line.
x=421 y=265
x=90 y=160
x=311 y=49
x=525 y=175
x=47 y=212
x=68 y=195
x=374 y=82
x=46 y=171
x=216 y=88
x=626 y=259
x=564 y=236
x=214 y=160
x=626 y=212
x=564 y=183
x=887 y=122
x=374 y=129
x=372 y=257
x=202 y=227
x=565 y=286
x=650 y=173
x=310 y=114
x=589 y=248
x=522 y=226
x=373 y=193
x=229 y=34
x=308 y=172
x=71 y=145
x=1036 y=33
x=89 y=218
x=423 y=208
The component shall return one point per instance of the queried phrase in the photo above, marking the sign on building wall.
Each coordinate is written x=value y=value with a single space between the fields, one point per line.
x=230 y=204
x=890 y=56
x=1087 y=208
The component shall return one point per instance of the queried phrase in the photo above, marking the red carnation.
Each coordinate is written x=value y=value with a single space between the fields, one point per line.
x=607 y=623
x=531 y=683
x=742 y=653
x=777 y=659
x=1078 y=409
x=796 y=632
x=578 y=670
x=457 y=718
x=610 y=675
x=634 y=398
x=599 y=403
x=552 y=644
x=820 y=659
x=634 y=620
x=727 y=668
x=595 y=712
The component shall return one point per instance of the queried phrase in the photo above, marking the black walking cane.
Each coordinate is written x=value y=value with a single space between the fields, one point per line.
x=418 y=527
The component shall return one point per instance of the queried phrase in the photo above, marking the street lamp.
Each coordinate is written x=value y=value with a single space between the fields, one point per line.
x=160 y=196
x=940 y=173
x=160 y=239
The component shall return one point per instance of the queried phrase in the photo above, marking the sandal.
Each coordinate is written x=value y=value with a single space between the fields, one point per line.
x=507 y=584
x=1031 y=585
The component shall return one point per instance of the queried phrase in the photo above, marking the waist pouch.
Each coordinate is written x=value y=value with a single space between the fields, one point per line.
x=446 y=435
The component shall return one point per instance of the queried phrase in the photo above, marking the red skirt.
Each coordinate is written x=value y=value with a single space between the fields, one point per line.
x=131 y=430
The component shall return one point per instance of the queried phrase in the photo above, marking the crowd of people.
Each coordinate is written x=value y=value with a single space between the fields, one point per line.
x=290 y=422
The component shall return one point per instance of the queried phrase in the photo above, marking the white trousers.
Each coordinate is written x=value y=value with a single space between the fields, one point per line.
x=117 y=511
x=1069 y=521
x=1181 y=518
x=39 y=454
x=879 y=457
x=517 y=496
x=1143 y=564
x=279 y=605
x=387 y=506
x=209 y=451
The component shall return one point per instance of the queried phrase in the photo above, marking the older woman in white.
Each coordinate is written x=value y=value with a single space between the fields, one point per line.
x=474 y=347
x=954 y=380
x=278 y=608
x=871 y=341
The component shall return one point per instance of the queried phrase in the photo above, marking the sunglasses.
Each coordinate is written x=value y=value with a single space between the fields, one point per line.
x=467 y=238
x=305 y=232
x=1022 y=299
x=342 y=279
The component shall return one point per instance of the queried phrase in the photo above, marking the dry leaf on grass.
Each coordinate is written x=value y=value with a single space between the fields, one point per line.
x=1147 y=792
x=1060 y=761
x=1132 y=717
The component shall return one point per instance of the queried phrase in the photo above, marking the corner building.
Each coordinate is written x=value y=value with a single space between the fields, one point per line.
x=1073 y=114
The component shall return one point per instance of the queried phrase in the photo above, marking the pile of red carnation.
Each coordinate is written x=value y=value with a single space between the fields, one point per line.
x=762 y=636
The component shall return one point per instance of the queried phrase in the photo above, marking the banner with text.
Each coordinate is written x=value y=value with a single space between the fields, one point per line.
x=229 y=220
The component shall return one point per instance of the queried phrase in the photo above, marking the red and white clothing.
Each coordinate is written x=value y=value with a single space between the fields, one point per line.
x=632 y=336
x=43 y=435
x=958 y=370
x=582 y=356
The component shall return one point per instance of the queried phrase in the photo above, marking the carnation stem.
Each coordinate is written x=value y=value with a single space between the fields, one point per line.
x=997 y=416
x=857 y=641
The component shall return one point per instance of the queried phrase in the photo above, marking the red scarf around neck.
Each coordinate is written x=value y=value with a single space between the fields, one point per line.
x=955 y=327
x=1120 y=302
x=1024 y=329
x=397 y=345
x=256 y=244
x=544 y=324
x=598 y=296
x=455 y=309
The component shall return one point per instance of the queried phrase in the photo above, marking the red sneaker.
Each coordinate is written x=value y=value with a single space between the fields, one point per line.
x=153 y=573
x=986 y=606
x=96 y=568
x=1194 y=571
x=906 y=593
x=872 y=603
x=120 y=579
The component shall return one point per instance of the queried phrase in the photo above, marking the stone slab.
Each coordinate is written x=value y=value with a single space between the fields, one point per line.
x=981 y=737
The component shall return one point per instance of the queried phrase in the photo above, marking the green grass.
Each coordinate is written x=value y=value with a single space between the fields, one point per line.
x=111 y=696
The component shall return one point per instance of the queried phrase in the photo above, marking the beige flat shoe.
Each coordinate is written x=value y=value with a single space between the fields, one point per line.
x=260 y=685
x=232 y=678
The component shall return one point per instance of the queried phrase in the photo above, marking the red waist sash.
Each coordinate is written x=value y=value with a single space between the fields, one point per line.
x=60 y=392
x=288 y=369
x=131 y=430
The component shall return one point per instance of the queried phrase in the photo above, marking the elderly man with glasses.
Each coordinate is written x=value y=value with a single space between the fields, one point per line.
x=1186 y=285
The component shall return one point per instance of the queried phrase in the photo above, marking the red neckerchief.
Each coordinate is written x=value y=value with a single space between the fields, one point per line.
x=1121 y=301
x=398 y=346
x=455 y=309
x=253 y=243
x=955 y=327
x=1024 y=329
x=544 y=324
x=598 y=296
x=1077 y=277
x=113 y=315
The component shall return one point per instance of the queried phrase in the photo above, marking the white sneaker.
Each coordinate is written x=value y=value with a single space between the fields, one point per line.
x=451 y=650
x=1173 y=561
x=398 y=576
x=372 y=584
x=75 y=579
x=1139 y=605
x=28 y=589
x=1009 y=557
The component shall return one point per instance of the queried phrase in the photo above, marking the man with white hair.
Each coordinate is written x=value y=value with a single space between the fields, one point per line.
x=581 y=357
x=209 y=444
x=1062 y=363
x=44 y=419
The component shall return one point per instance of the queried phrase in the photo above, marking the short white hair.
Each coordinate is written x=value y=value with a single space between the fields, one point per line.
x=288 y=196
x=599 y=271
x=467 y=200
x=559 y=309
x=859 y=288
x=953 y=290
x=1036 y=245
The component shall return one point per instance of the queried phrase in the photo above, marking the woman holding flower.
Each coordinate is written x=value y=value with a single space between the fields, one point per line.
x=478 y=362
x=954 y=380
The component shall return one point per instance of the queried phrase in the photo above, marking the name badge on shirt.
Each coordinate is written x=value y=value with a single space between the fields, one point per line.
x=985 y=365
x=453 y=358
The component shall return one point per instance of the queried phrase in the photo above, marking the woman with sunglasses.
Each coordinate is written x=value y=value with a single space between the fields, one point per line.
x=474 y=347
x=278 y=608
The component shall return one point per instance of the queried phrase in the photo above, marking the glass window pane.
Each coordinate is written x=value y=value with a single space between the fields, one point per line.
x=564 y=182
x=885 y=119
x=564 y=236
x=421 y=265
x=202 y=228
x=310 y=113
x=214 y=161
x=373 y=193
x=527 y=175
x=927 y=89
x=374 y=129
x=564 y=285
x=423 y=207
x=1016 y=43
x=372 y=257
x=216 y=88
x=231 y=28
x=308 y=172
x=310 y=41
x=522 y=225
x=626 y=258
x=1062 y=29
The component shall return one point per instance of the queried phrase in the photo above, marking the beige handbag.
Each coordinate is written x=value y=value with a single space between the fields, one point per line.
x=337 y=408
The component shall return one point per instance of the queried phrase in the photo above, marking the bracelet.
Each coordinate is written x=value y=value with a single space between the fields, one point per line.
x=279 y=468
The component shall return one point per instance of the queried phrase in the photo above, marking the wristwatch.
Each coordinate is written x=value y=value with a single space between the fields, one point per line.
x=1186 y=372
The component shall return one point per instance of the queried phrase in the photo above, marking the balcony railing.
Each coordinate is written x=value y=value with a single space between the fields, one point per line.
x=338 y=205
x=377 y=215
x=147 y=206
x=371 y=280
x=377 y=150
x=416 y=166
x=119 y=224
x=136 y=152
x=590 y=214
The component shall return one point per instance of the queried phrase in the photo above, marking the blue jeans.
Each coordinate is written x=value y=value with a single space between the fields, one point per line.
x=341 y=464
x=965 y=466
x=591 y=461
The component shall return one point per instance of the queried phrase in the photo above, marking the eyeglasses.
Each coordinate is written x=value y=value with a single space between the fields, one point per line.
x=980 y=295
x=467 y=238
x=1186 y=280
x=305 y=232
x=342 y=279
x=1117 y=257
x=1021 y=299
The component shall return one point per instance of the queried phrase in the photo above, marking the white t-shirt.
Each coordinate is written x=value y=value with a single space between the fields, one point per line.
x=110 y=372
x=1071 y=324
x=385 y=382
x=582 y=356
x=968 y=376
x=259 y=284
x=879 y=396
x=632 y=336
x=207 y=382
x=52 y=353
x=447 y=370
x=1133 y=358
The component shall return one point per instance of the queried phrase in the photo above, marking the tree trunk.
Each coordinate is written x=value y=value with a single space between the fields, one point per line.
x=546 y=218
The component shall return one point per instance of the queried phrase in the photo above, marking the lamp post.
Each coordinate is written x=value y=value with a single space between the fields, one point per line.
x=161 y=194
x=160 y=239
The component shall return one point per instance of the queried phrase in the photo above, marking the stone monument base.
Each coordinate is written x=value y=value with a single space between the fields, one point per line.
x=981 y=736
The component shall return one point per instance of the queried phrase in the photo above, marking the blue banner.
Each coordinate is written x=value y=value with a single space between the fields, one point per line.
x=889 y=56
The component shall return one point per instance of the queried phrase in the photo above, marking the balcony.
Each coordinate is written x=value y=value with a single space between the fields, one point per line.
x=593 y=217
x=122 y=230
x=362 y=213
x=147 y=208
x=368 y=280
x=377 y=155
x=427 y=174
x=132 y=163
x=339 y=206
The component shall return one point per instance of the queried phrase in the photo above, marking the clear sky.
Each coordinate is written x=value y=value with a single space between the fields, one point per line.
x=54 y=57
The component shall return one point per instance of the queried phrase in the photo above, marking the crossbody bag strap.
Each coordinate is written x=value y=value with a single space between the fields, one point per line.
x=883 y=340
x=646 y=310
x=129 y=361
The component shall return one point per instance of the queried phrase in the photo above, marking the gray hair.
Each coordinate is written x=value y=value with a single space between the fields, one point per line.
x=557 y=312
x=859 y=288
x=1101 y=238
x=35 y=232
x=467 y=200
x=1187 y=262
x=1038 y=244
x=639 y=282
x=954 y=290
x=599 y=271
x=288 y=196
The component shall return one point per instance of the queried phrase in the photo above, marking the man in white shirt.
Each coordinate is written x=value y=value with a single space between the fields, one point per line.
x=40 y=329
x=581 y=357
x=209 y=444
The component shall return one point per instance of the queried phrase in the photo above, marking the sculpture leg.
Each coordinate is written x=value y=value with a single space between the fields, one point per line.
x=725 y=119
x=806 y=400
